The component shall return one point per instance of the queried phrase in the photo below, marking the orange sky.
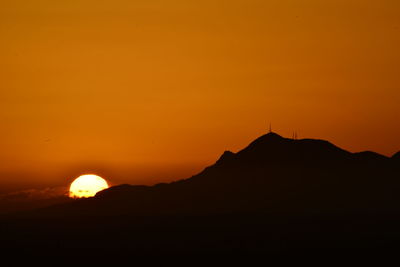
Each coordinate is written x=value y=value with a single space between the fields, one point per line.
x=153 y=90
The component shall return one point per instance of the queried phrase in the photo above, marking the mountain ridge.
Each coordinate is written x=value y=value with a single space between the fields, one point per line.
x=268 y=165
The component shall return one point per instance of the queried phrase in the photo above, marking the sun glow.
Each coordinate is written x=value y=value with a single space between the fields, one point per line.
x=87 y=186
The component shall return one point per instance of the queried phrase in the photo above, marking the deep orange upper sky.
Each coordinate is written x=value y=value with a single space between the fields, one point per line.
x=153 y=90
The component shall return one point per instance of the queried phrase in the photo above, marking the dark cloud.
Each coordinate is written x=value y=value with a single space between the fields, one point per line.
x=35 y=194
x=32 y=199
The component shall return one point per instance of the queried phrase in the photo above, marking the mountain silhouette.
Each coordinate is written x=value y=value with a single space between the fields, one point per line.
x=272 y=174
x=277 y=195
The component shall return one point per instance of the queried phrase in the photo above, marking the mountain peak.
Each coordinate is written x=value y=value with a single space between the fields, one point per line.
x=268 y=139
x=272 y=147
x=272 y=135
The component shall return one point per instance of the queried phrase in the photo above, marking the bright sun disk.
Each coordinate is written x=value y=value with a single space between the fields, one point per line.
x=87 y=186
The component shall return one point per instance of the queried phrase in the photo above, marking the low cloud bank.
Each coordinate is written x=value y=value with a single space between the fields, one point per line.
x=32 y=199
x=35 y=194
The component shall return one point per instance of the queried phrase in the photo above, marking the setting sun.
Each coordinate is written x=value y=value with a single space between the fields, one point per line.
x=87 y=186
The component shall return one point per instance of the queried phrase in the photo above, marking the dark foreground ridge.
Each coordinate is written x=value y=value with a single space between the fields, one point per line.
x=276 y=196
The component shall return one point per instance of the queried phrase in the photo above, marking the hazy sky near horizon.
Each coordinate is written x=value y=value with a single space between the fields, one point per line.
x=155 y=90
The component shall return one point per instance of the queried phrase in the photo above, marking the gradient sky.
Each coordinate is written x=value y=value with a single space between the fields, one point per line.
x=155 y=90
